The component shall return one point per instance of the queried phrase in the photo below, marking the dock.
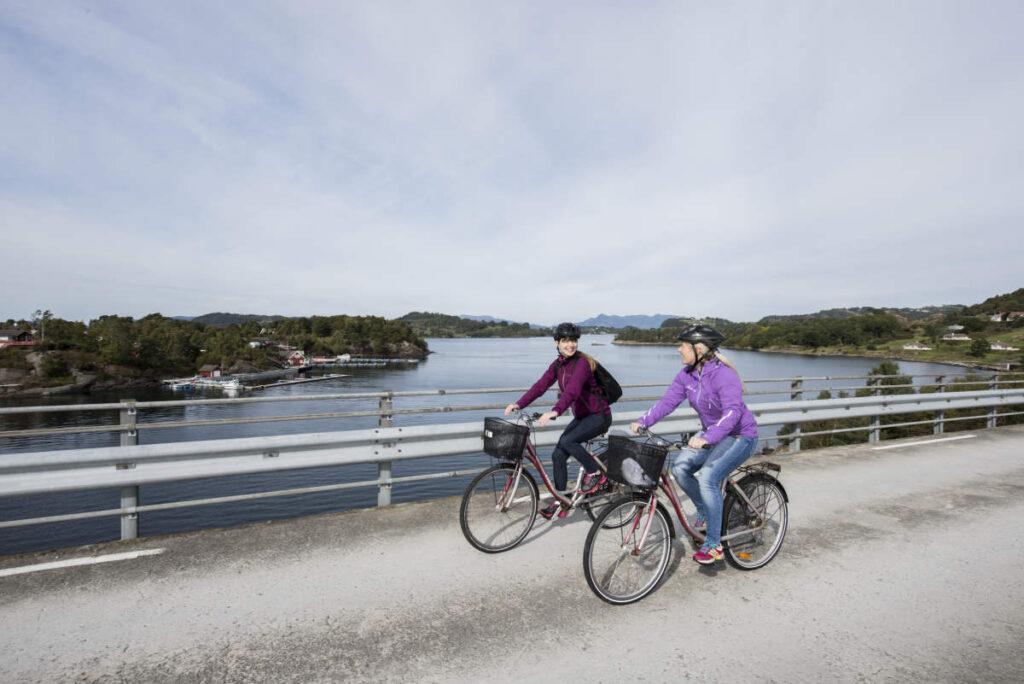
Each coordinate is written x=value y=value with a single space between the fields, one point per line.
x=332 y=376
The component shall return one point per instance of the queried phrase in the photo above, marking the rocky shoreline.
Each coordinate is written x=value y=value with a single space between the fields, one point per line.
x=806 y=352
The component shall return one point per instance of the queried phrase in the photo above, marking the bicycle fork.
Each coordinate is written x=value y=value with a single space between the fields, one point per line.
x=637 y=517
x=511 y=487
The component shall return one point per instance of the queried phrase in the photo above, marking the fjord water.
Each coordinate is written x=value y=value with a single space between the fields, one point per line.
x=454 y=364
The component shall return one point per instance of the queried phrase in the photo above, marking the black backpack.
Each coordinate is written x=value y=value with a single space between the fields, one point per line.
x=608 y=384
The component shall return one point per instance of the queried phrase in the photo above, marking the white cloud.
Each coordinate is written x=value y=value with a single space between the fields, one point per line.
x=535 y=162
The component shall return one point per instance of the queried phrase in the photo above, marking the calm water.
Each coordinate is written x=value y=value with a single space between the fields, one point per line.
x=464 y=363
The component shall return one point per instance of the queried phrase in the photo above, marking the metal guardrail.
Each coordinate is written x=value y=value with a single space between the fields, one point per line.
x=132 y=465
x=129 y=409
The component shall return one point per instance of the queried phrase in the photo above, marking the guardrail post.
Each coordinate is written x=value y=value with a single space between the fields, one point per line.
x=796 y=386
x=994 y=411
x=129 y=495
x=384 y=467
x=875 y=436
x=940 y=416
x=794 y=444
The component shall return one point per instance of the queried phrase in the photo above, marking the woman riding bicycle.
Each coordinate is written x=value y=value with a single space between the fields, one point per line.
x=579 y=390
x=712 y=386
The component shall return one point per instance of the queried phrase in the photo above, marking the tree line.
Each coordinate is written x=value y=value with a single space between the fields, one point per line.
x=156 y=344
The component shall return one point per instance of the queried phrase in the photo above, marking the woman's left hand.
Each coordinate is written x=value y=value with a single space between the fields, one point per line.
x=697 y=442
x=550 y=415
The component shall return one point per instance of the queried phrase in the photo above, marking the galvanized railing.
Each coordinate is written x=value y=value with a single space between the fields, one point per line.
x=131 y=465
x=129 y=424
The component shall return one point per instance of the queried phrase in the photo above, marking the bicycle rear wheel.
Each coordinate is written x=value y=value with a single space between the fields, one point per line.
x=596 y=504
x=615 y=569
x=755 y=546
x=493 y=517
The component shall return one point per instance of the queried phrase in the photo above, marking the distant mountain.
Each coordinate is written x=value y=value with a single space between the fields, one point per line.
x=634 y=321
x=222 y=320
x=910 y=314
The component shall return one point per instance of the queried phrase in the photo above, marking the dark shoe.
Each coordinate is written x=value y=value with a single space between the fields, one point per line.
x=549 y=511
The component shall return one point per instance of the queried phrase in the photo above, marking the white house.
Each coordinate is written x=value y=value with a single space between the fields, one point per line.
x=999 y=346
x=956 y=337
x=916 y=346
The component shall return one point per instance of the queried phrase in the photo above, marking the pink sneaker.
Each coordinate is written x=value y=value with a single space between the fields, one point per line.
x=549 y=511
x=592 y=482
x=709 y=554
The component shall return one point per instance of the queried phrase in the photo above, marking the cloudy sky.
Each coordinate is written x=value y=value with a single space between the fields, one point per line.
x=533 y=160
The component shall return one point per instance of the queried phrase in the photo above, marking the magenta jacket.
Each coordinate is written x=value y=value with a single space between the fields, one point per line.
x=716 y=394
x=577 y=386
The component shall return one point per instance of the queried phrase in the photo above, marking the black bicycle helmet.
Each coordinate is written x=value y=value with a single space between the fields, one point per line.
x=567 y=330
x=704 y=334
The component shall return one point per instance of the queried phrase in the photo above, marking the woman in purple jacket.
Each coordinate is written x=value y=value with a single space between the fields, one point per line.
x=729 y=436
x=579 y=390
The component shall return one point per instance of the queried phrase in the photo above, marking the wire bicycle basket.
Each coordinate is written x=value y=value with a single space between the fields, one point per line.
x=503 y=439
x=634 y=463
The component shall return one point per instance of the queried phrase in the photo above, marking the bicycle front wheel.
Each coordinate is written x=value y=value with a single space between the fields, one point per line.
x=759 y=531
x=618 y=568
x=498 y=510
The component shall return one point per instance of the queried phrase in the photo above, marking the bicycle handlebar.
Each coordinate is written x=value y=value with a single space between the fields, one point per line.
x=664 y=442
x=529 y=417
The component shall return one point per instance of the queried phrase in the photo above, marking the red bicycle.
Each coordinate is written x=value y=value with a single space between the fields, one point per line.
x=500 y=505
x=627 y=552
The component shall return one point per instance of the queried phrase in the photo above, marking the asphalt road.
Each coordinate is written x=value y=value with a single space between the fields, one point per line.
x=900 y=564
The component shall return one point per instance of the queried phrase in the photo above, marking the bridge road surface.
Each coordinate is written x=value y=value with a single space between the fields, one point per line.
x=900 y=564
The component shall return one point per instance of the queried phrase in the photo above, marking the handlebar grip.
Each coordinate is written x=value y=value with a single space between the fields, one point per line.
x=535 y=416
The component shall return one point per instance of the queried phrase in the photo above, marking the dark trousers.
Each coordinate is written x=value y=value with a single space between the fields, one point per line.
x=571 y=444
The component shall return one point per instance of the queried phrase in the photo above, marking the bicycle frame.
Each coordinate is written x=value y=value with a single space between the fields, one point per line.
x=530 y=454
x=666 y=488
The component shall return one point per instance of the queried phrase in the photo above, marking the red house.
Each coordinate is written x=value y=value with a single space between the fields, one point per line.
x=209 y=371
x=16 y=338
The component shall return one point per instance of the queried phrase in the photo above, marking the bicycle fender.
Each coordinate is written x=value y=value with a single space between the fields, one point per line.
x=750 y=477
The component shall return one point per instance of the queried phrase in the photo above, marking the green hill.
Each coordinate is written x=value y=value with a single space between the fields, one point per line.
x=427 y=324
x=1013 y=301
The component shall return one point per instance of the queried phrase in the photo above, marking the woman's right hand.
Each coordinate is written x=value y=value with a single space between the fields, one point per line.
x=510 y=408
x=635 y=428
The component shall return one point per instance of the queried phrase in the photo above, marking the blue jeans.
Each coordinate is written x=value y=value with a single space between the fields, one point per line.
x=571 y=444
x=714 y=465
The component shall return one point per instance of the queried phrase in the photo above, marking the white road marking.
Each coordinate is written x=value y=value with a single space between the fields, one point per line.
x=927 y=441
x=89 y=560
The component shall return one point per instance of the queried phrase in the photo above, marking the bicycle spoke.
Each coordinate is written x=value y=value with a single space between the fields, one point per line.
x=498 y=508
x=617 y=571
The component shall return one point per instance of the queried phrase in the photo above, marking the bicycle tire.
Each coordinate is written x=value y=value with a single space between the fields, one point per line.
x=620 y=578
x=758 y=548
x=485 y=527
x=598 y=503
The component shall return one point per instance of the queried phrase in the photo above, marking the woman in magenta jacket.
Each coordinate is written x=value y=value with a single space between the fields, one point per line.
x=578 y=390
x=729 y=435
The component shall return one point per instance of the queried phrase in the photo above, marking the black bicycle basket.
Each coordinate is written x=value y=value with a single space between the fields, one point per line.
x=634 y=463
x=503 y=439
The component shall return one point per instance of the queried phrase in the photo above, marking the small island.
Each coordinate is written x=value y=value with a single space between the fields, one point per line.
x=49 y=355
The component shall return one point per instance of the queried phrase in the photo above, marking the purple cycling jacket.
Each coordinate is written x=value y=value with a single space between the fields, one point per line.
x=716 y=393
x=577 y=386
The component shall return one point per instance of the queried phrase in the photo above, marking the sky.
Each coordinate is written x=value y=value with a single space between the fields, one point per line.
x=534 y=161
